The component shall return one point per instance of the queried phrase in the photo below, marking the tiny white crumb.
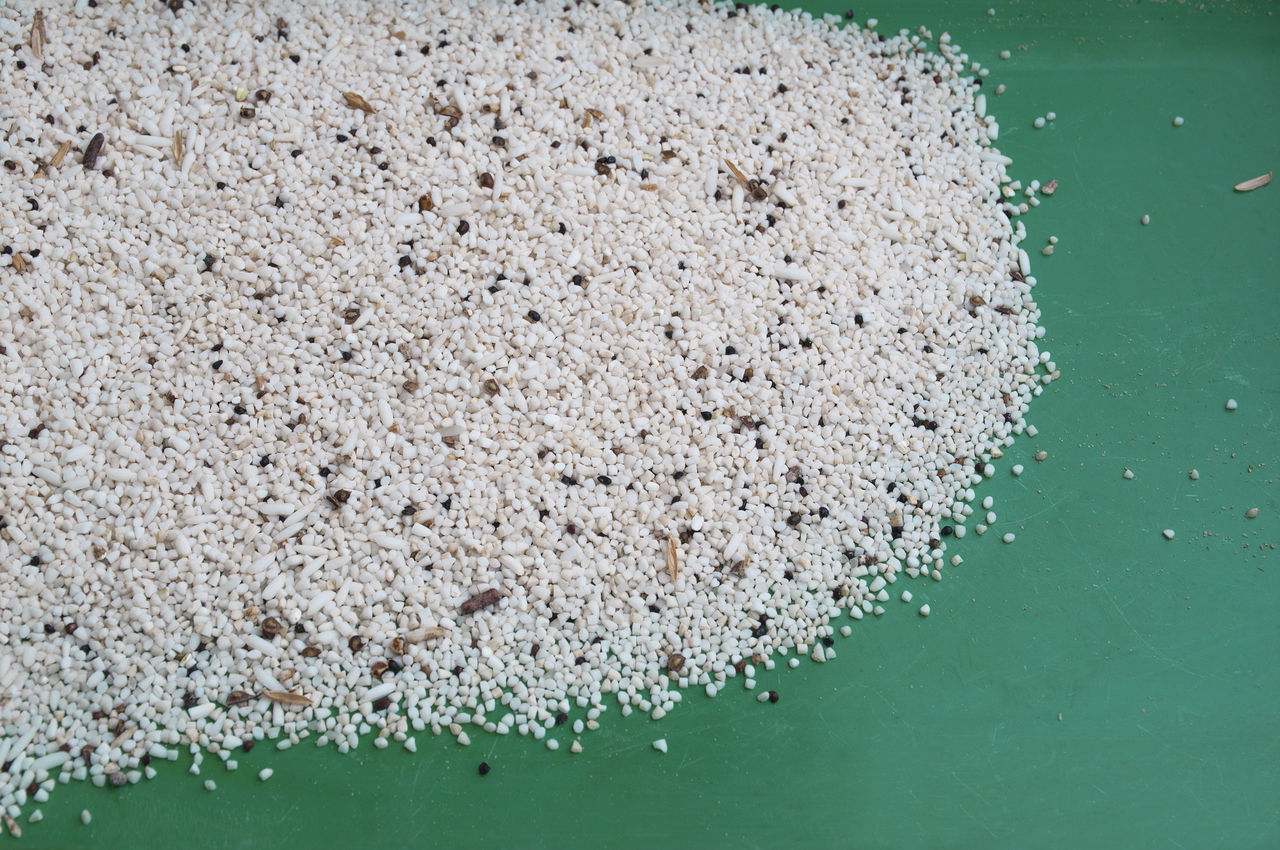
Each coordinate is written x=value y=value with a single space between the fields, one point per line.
x=1038 y=123
x=793 y=663
x=1128 y=474
x=553 y=744
x=1051 y=116
x=1177 y=121
x=36 y=816
x=1047 y=250
x=1000 y=89
x=1194 y=475
x=660 y=745
x=1016 y=469
x=924 y=610
x=1008 y=537
x=906 y=596
x=1005 y=54
x=1252 y=513
x=1232 y=404
x=1146 y=219
x=265 y=774
x=85 y=817
x=210 y=785
x=1168 y=534
x=411 y=744
x=991 y=13
x=1053 y=240
x=845 y=631
x=576 y=746
x=1041 y=456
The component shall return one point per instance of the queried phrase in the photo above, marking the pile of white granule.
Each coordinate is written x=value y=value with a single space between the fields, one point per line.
x=406 y=366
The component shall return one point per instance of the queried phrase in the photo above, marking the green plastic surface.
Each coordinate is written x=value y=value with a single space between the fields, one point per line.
x=1090 y=685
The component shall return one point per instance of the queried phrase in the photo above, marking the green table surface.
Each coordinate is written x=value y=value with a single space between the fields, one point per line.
x=1091 y=685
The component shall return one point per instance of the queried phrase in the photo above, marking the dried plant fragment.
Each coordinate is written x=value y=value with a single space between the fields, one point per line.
x=673 y=558
x=483 y=599
x=287 y=698
x=38 y=37
x=1256 y=183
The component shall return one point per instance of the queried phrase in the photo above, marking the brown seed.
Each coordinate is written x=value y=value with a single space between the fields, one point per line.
x=92 y=151
x=311 y=652
x=673 y=558
x=355 y=101
x=483 y=599
x=19 y=264
x=410 y=386
x=248 y=112
x=355 y=643
x=117 y=779
x=272 y=627
x=350 y=315
x=38 y=37
x=339 y=497
x=379 y=668
x=675 y=662
x=700 y=373
x=492 y=387
x=1049 y=188
x=452 y=112
x=262 y=96
x=238 y=698
x=425 y=204
x=399 y=645
x=486 y=180
x=86 y=754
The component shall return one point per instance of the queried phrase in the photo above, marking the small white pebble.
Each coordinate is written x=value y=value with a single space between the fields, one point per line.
x=1051 y=116
x=878 y=610
x=1000 y=89
x=85 y=817
x=1194 y=475
x=763 y=696
x=988 y=503
x=1127 y=474
x=793 y=663
x=1016 y=469
x=1168 y=533
x=36 y=816
x=1005 y=54
x=1053 y=240
x=1047 y=250
x=210 y=785
x=1041 y=456
x=961 y=531
x=991 y=13
x=1038 y=123
x=553 y=744
x=1252 y=513
x=265 y=774
x=411 y=744
x=845 y=631
x=1032 y=431
x=1146 y=219
x=1008 y=537
x=980 y=529
x=956 y=560
x=748 y=684
x=906 y=596
x=991 y=517
x=660 y=745
x=464 y=739
x=924 y=610
x=1232 y=404
x=575 y=747
x=1177 y=121
x=871 y=23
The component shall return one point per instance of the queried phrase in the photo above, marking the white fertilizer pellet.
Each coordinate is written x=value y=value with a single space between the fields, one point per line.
x=1194 y=475
x=660 y=745
x=366 y=366
x=85 y=817
x=1127 y=474
x=1252 y=513
x=1168 y=534
x=925 y=610
x=1177 y=121
x=1232 y=404
x=265 y=774
x=1008 y=537
x=1146 y=219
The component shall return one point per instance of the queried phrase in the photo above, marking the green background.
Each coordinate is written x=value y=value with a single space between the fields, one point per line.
x=1091 y=685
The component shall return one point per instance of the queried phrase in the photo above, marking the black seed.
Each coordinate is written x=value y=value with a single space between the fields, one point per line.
x=706 y=415
x=463 y=227
x=484 y=768
x=562 y=719
x=604 y=479
x=773 y=696
x=382 y=166
x=405 y=261
x=220 y=185
x=346 y=355
x=533 y=316
x=828 y=641
x=265 y=460
x=947 y=531
x=823 y=512
x=239 y=410
x=295 y=153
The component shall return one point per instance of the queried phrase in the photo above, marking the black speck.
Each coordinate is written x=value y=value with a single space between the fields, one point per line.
x=295 y=153
x=265 y=460
x=604 y=479
x=220 y=185
x=295 y=58
x=405 y=261
x=823 y=512
x=533 y=316
x=346 y=355
x=828 y=641
x=217 y=364
x=484 y=768
x=706 y=415
x=239 y=410
x=325 y=472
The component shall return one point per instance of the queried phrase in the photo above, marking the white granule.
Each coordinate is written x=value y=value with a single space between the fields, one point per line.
x=388 y=367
